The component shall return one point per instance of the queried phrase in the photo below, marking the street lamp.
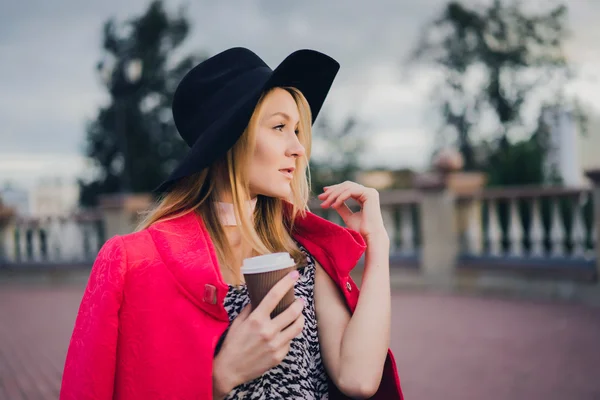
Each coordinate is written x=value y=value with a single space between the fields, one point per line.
x=122 y=78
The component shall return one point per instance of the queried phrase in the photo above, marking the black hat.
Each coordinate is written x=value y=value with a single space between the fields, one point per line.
x=215 y=100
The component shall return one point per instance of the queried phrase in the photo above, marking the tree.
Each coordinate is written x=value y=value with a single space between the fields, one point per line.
x=341 y=146
x=495 y=60
x=132 y=141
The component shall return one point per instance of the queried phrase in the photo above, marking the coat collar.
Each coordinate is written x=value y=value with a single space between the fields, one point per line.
x=188 y=252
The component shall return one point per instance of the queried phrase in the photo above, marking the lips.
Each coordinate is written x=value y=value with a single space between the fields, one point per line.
x=288 y=172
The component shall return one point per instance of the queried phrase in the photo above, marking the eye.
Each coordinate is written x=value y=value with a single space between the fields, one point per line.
x=279 y=127
x=297 y=131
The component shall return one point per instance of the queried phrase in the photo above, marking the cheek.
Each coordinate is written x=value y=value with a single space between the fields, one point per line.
x=266 y=154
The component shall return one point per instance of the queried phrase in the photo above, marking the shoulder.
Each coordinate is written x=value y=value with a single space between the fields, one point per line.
x=163 y=239
x=137 y=243
x=126 y=249
x=112 y=251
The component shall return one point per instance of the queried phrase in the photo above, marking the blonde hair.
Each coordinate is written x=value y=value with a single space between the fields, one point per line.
x=269 y=229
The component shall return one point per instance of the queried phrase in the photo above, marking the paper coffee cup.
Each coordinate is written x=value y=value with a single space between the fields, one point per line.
x=262 y=273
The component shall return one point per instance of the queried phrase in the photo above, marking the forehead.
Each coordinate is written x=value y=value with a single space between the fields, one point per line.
x=280 y=101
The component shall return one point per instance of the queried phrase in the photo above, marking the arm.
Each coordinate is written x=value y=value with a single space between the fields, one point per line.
x=90 y=365
x=354 y=348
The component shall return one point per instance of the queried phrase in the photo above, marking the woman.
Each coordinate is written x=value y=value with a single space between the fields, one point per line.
x=166 y=315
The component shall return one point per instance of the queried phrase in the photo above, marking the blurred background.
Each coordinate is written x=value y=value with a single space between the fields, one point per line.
x=478 y=121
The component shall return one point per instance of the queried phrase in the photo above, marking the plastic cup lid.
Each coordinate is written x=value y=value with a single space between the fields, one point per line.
x=267 y=263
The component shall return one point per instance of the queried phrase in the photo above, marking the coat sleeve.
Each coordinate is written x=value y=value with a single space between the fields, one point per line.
x=89 y=371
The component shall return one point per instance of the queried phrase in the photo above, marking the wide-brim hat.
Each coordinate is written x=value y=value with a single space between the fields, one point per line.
x=214 y=101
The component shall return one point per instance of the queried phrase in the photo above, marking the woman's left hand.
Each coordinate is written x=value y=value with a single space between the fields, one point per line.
x=368 y=221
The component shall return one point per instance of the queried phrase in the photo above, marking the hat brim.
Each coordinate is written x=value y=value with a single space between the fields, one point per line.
x=309 y=71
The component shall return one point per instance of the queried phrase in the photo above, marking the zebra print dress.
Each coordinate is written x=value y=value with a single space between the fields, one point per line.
x=301 y=375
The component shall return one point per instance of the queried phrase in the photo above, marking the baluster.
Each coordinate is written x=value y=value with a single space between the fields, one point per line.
x=494 y=231
x=389 y=222
x=53 y=239
x=80 y=227
x=36 y=243
x=536 y=230
x=473 y=229
x=73 y=237
x=94 y=238
x=23 y=241
x=578 y=229
x=594 y=250
x=87 y=240
x=10 y=251
x=18 y=243
x=515 y=230
x=557 y=230
x=406 y=229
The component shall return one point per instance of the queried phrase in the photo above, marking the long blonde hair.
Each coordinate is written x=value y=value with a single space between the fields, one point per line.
x=269 y=229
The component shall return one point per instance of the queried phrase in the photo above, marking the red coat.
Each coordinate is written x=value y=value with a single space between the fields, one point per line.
x=152 y=312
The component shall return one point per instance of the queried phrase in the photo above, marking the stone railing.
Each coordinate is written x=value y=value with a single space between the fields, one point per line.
x=60 y=240
x=530 y=222
x=447 y=229
x=69 y=240
x=451 y=225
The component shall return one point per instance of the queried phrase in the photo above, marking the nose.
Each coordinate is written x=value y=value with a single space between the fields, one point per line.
x=295 y=148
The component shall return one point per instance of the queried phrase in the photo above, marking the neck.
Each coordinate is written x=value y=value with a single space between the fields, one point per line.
x=234 y=235
x=227 y=213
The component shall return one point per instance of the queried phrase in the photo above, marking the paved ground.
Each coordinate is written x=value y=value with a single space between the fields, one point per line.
x=447 y=347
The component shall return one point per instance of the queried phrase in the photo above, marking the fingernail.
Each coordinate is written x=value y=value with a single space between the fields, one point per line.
x=294 y=274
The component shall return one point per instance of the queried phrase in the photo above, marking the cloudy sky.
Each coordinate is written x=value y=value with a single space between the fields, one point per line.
x=48 y=85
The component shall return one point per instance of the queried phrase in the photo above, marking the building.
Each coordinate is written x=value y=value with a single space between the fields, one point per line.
x=589 y=145
x=564 y=158
x=54 y=197
x=572 y=152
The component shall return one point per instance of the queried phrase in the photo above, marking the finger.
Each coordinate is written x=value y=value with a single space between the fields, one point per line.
x=342 y=197
x=332 y=196
x=290 y=314
x=283 y=351
x=323 y=195
x=245 y=313
x=344 y=211
x=356 y=192
x=326 y=192
x=274 y=296
x=292 y=331
x=342 y=194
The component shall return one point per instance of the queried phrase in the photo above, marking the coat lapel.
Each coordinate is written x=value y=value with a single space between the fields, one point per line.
x=188 y=252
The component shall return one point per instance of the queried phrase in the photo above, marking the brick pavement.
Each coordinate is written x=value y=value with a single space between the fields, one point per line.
x=447 y=347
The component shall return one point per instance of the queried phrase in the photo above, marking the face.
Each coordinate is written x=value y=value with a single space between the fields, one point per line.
x=273 y=164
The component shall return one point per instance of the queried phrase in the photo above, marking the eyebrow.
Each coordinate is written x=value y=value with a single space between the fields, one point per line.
x=284 y=115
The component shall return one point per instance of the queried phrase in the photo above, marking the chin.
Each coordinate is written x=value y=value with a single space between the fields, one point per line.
x=278 y=193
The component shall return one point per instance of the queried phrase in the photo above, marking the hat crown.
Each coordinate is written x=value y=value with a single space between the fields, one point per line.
x=208 y=86
x=215 y=100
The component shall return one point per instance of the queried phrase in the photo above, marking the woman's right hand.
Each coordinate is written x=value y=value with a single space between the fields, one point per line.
x=256 y=343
